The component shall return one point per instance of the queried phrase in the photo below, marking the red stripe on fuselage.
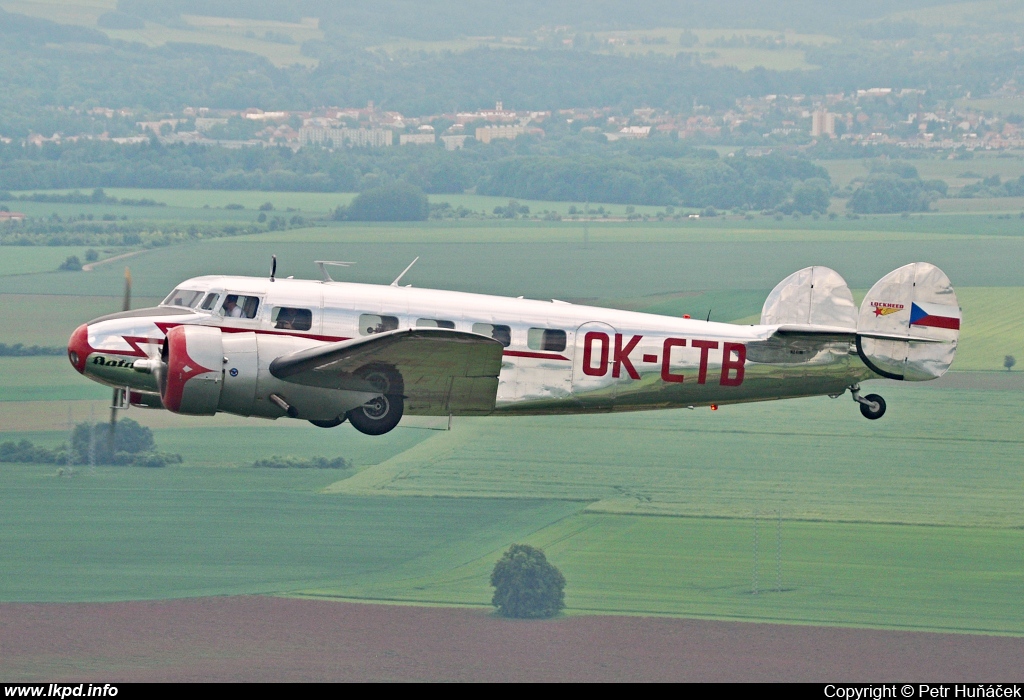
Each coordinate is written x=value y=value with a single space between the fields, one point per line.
x=536 y=355
x=136 y=341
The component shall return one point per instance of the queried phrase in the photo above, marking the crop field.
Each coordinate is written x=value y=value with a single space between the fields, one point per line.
x=44 y=379
x=24 y=314
x=956 y=173
x=236 y=34
x=984 y=205
x=18 y=260
x=142 y=534
x=580 y=270
x=928 y=539
x=81 y=12
x=212 y=202
x=816 y=459
x=661 y=40
x=848 y=574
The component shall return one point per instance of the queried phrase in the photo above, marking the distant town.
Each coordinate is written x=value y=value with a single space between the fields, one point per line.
x=789 y=123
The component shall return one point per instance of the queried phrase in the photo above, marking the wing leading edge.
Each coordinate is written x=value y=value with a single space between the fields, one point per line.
x=444 y=372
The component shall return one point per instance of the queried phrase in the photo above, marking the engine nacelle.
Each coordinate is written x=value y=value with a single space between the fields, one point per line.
x=204 y=370
x=193 y=370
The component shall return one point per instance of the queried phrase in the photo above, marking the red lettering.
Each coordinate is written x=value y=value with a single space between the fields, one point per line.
x=729 y=364
x=704 y=345
x=588 y=354
x=666 y=357
x=621 y=357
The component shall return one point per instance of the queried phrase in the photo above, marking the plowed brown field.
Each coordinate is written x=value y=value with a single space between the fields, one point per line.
x=278 y=639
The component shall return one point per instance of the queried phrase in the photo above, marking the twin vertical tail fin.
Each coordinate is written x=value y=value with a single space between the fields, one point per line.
x=907 y=326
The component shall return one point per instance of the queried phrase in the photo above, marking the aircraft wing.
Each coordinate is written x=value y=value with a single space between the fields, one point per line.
x=443 y=371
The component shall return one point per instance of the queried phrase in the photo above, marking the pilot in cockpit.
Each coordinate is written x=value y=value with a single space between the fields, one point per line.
x=231 y=308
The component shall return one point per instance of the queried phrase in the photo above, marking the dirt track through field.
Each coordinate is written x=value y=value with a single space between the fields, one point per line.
x=279 y=639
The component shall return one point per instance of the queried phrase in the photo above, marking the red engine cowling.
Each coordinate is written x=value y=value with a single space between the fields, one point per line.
x=192 y=372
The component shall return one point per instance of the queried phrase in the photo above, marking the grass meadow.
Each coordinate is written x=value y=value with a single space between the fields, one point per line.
x=816 y=459
x=956 y=173
x=912 y=521
x=235 y=34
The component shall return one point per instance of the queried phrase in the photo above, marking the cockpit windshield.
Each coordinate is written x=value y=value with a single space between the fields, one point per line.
x=183 y=297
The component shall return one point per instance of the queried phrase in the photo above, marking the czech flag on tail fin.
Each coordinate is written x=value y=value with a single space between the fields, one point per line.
x=935 y=316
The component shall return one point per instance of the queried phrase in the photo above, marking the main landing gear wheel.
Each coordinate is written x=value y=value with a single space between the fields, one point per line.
x=873 y=407
x=382 y=413
x=333 y=423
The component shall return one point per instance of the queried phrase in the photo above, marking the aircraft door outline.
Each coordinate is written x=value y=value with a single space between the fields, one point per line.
x=592 y=380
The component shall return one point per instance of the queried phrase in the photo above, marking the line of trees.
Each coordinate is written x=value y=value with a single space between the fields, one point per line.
x=133 y=444
x=659 y=172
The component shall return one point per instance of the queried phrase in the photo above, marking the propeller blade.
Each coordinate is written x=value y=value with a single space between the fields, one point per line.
x=127 y=305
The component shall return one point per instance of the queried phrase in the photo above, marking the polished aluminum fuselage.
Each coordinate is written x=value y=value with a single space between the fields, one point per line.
x=612 y=360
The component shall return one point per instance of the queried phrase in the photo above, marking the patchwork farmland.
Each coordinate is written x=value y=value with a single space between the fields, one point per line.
x=911 y=523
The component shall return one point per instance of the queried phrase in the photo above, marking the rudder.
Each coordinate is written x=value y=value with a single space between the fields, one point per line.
x=909 y=324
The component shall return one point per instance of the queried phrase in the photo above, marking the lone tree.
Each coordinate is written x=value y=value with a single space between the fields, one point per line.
x=1009 y=361
x=392 y=202
x=526 y=585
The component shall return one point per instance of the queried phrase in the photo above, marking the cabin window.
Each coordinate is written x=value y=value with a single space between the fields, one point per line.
x=209 y=302
x=372 y=323
x=290 y=319
x=183 y=297
x=434 y=323
x=545 y=339
x=503 y=334
x=239 y=306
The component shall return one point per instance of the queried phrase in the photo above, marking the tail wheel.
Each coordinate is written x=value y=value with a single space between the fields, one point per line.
x=382 y=413
x=874 y=408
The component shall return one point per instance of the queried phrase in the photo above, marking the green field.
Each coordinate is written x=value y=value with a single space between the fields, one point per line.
x=842 y=172
x=660 y=40
x=911 y=522
x=211 y=203
x=815 y=458
x=627 y=265
x=26 y=260
x=44 y=379
x=236 y=34
x=140 y=534
x=846 y=574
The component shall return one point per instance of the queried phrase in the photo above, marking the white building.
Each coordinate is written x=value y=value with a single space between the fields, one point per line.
x=421 y=139
x=353 y=138
x=486 y=134
x=823 y=123
x=454 y=143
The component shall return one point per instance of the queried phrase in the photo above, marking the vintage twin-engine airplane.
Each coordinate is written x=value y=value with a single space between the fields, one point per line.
x=327 y=351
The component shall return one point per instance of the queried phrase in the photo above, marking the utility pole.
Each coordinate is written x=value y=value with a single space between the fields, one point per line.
x=753 y=582
x=778 y=550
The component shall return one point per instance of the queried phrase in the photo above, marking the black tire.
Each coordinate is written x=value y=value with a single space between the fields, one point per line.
x=378 y=416
x=866 y=410
x=333 y=423
x=382 y=414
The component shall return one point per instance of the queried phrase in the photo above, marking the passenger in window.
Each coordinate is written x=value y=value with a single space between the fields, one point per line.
x=231 y=307
x=286 y=319
x=503 y=334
